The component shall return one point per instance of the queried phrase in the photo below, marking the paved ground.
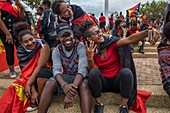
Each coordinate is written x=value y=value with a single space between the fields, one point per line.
x=147 y=72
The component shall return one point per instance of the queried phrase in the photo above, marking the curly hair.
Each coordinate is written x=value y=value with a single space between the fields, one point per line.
x=166 y=30
x=20 y=26
x=85 y=26
x=56 y=6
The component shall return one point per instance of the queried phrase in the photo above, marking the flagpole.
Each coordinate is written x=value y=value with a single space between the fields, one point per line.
x=106 y=10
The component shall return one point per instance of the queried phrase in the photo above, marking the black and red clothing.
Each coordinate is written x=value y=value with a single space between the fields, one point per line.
x=102 y=21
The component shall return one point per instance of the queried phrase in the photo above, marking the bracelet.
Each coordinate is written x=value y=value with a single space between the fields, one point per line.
x=64 y=85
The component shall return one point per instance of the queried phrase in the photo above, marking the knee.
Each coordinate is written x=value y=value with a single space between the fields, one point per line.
x=84 y=87
x=126 y=74
x=50 y=86
x=94 y=73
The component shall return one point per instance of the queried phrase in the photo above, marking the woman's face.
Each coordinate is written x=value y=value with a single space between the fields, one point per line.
x=29 y=42
x=66 y=11
x=96 y=35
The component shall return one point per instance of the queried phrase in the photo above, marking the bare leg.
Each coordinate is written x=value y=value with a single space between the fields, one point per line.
x=85 y=98
x=46 y=96
x=41 y=83
x=124 y=101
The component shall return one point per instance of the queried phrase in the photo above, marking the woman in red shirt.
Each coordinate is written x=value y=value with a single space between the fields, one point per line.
x=110 y=76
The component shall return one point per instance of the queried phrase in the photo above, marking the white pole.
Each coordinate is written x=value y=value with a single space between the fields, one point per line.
x=106 y=10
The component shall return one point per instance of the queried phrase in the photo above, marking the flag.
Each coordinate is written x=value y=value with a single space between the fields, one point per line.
x=133 y=9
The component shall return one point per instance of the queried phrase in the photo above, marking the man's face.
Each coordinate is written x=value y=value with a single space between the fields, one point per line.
x=39 y=12
x=67 y=40
x=66 y=11
x=96 y=35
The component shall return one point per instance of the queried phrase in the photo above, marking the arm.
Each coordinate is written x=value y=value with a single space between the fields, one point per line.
x=82 y=66
x=5 y=30
x=43 y=59
x=21 y=11
x=137 y=37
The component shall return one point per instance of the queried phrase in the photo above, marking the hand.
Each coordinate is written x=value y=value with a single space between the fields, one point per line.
x=70 y=90
x=90 y=49
x=155 y=36
x=68 y=102
x=28 y=90
x=9 y=38
x=34 y=97
x=18 y=3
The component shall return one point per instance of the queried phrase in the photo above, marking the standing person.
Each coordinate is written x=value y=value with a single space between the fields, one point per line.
x=121 y=17
x=102 y=22
x=117 y=30
x=48 y=25
x=111 y=22
x=112 y=75
x=94 y=19
x=69 y=70
x=39 y=13
x=33 y=55
x=9 y=15
x=163 y=58
x=71 y=14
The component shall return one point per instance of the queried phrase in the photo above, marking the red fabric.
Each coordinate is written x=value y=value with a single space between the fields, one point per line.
x=6 y=6
x=83 y=18
x=110 y=65
x=111 y=19
x=132 y=31
x=133 y=9
x=38 y=25
x=142 y=96
x=102 y=19
x=4 y=65
x=14 y=99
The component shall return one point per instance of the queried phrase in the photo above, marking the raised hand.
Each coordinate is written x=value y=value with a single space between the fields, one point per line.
x=90 y=49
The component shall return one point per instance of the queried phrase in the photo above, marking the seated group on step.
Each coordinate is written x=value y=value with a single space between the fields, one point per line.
x=100 y=64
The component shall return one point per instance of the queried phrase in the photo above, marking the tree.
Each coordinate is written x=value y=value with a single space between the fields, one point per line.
x=154 y=9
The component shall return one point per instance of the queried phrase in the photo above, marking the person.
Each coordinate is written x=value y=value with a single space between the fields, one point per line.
x=72 y=14
x=163 y=58
x=8 y=16
x=121 y=17
x=117 y=29
x=111 y=76
x=111 y=22
x=39 y=13
x=94 y=19
x=132 y=30
x=102 y=22
x=69 y=70
x=33 y=55
x=48 y=25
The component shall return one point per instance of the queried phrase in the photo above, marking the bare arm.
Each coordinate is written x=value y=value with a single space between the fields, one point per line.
x=139 y=36
x=44 y=56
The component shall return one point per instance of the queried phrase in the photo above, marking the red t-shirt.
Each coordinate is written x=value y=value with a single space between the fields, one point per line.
x=110 y=65
x=111 y=19
x=102 y=19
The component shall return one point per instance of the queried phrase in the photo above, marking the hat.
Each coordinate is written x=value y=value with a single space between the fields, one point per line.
x=56 y=6
x=63 y=28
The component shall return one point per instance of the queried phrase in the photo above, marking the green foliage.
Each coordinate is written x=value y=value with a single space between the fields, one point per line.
x=154 y=9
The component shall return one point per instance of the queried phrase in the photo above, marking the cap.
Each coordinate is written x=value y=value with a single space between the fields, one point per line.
x=63 y=28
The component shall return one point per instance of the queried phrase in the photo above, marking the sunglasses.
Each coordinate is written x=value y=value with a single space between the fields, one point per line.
x=96 y=32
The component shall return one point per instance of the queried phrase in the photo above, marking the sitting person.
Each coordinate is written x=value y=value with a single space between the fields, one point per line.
x=69 y=70
x=117 y=29
x=111 y=75
x=163 y=58
x=33 y=55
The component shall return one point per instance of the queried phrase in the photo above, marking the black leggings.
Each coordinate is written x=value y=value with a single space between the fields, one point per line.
x=122 y=84
x=9 y=48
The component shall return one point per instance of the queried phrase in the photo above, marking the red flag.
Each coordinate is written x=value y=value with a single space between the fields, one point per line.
x=14 y=99
x=133 y=9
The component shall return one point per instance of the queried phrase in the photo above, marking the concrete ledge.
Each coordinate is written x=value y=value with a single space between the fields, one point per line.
x=146 y=49
x=145 y=55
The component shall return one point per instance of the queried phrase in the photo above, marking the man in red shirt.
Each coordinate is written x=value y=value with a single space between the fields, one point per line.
x=102 y=23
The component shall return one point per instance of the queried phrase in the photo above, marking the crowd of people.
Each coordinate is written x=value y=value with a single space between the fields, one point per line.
x=69 y=54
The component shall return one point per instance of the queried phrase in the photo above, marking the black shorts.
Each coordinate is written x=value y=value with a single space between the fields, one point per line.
x=102 y=24
x=45 y=73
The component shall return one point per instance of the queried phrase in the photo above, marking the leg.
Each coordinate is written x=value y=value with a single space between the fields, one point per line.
x=41 y=83
x=46 y=96
x=141 y=49
x=85 y=98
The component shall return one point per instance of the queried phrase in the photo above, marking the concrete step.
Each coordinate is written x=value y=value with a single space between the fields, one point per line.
x=147 y=44
x=145 y=55
x=146 y=49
